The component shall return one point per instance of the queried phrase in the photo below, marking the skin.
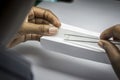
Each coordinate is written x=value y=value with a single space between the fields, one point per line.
x=111 y=49
x=39 y=22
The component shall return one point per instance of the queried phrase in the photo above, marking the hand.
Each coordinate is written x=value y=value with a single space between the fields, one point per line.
x=39 y=22
x=111 y=49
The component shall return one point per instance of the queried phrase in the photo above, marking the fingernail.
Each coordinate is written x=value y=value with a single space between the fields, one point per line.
x=100 y=44
x=53 y=30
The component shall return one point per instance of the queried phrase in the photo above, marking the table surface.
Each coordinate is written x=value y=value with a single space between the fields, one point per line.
x=94 y=15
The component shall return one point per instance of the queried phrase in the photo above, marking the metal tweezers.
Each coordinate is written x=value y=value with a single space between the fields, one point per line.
x=67 y=37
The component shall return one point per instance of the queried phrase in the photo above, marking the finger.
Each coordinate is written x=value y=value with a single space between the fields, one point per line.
x=38 y=21
x=113 y=31
x=24 y=38
x=47 y=15
x=116 y=32
x=108 y=33
x=112 y=51
x=30 y=28
x=32 y=37
x=31 y=14
x=15 y=41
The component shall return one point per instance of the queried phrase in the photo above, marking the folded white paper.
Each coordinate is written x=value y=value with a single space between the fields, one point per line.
x=80 y=49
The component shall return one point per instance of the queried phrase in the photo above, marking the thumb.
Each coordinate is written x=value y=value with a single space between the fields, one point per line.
x=112 y=50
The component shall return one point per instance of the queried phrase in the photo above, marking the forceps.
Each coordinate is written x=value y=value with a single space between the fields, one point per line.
x=83 y=38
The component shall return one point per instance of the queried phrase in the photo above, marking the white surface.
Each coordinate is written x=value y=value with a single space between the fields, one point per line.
x=38 y=57
x=63 y=64
x=90 y=51
x=70 y=29
x=93 y=15
x=42 y=73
